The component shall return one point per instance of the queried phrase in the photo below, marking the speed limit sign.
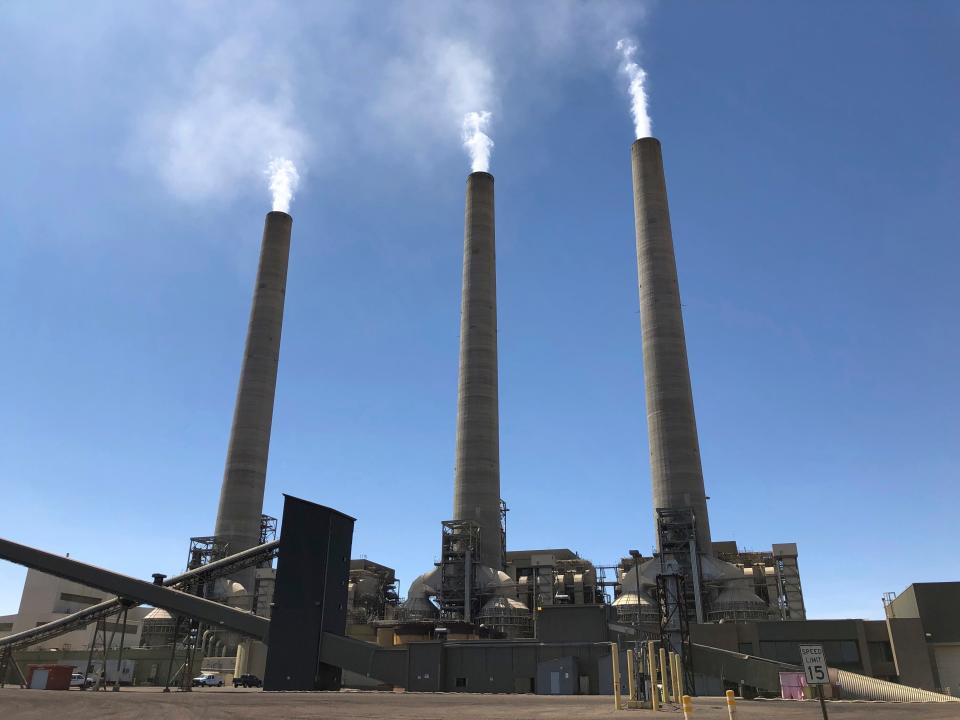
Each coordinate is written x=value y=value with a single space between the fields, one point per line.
x=814 y=664
x=815 y=668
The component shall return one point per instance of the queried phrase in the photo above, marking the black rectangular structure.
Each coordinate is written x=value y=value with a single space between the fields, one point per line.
x=310 y=595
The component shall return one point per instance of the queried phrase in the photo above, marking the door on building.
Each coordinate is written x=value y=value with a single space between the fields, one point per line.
x=554 y=682
x=584 y=684
x=39 y=679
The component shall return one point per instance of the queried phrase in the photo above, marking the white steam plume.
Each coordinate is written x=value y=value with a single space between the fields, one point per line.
x=283 y=182
x=638 y=93
x=211 y=134
x=477 y=143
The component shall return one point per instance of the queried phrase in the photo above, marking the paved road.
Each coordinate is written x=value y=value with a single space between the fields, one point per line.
x=230 y=704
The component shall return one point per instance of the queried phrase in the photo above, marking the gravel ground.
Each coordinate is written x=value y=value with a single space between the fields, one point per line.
x=230 y=704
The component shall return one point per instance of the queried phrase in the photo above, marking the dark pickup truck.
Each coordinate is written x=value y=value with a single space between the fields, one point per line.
x=247 y=681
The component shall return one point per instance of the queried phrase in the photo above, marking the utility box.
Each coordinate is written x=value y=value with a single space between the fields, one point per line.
x=49 y=677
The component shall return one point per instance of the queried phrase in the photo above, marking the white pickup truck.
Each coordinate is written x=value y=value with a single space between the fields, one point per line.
x=208 y=680
x=78 y=680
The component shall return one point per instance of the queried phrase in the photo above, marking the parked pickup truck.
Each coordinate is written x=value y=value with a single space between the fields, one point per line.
x=247 y=681
x=78 y=680
x=208 y=680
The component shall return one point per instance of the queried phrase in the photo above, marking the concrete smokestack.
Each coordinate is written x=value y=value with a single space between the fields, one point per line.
x=671 y=424
x=477 y=477
x=244 y=477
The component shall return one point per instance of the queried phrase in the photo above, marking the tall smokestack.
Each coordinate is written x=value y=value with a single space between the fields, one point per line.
x=477 y=477
x=244 y=477
x=671 y=424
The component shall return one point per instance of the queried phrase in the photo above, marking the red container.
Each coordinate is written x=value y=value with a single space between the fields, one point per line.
x=49 y=677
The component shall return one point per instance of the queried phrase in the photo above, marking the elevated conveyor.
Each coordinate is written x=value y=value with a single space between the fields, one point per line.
x=185 y=582
x=138 y=591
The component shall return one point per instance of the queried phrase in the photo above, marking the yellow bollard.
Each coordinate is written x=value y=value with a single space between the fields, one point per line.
x=631 y=677
x=615 y=676
x=664 y=682
x=731 y=705
x=652 y=672
x=687 y=707
x=677 y=684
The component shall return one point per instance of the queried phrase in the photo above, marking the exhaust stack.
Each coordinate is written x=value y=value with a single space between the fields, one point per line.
x=477 y=474
x=674 y=448
x=244 y=477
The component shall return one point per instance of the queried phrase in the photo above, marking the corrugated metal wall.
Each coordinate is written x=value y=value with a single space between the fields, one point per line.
x=852 y=686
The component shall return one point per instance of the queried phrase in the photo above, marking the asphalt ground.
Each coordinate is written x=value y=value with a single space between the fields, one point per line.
x=239 y=704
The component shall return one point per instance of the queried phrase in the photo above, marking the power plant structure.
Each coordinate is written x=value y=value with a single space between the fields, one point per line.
x=675 y=469
x=485 y=618
x=469 y=584
x=240 y=510
x=477 y=580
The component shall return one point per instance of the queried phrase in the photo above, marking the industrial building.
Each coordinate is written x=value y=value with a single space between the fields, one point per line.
x=487 y=618
x=936 y=606
x=46 y=598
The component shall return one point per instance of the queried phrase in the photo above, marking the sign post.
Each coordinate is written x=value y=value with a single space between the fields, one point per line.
x=815 y=668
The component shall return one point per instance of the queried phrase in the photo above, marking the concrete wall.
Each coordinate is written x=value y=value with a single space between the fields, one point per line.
x=501 y=666
x=572 y=623
x=6 y=624
x=861 y=646
x=935 y=607
x=911 y=654
x=939 y=610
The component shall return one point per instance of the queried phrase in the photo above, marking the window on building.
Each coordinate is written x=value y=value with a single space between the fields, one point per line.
x=6 y=626
x=461 y=682
x=880 y=651
x=787 y=651
x=745 y=648
x=83 y=599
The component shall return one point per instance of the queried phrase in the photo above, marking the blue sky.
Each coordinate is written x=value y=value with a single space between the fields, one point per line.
x=811 y=158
